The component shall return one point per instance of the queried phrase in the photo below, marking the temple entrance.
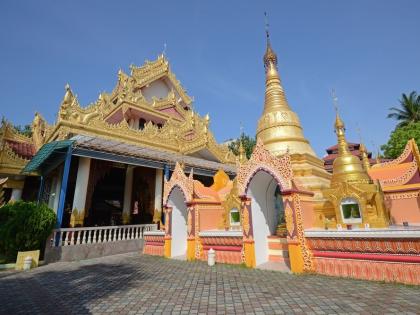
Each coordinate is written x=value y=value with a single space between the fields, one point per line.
x=267 y=212
x=143 y=195
x=176 y=200
x=107 y=199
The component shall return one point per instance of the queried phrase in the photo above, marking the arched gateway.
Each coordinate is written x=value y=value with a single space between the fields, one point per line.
x=177 y=196
x=271 y=208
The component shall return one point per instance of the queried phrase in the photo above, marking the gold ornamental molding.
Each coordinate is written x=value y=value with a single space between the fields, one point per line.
x=262 y=160
x=180 y=180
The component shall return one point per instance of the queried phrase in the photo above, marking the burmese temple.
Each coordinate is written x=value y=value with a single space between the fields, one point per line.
x=140 y=170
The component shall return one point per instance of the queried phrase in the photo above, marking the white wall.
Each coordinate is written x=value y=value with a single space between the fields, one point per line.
x=264 y=218
x=157 y=88
x=179 y=223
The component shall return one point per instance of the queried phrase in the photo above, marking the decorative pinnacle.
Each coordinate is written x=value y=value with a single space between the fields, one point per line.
x=270 y=56
x=267 y=27
x=338 y=122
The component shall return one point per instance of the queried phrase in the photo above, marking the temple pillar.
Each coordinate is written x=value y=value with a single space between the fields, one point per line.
x=158 y=195
x=167 y=247
x=16 y=194
x=248 y=235
x=57 y=191
x=128 y=190
x=299 y=253
x=80 y=191
x=63 y=187
x=191 y=232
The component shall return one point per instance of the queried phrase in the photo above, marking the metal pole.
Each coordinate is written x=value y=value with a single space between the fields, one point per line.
x=63 y=188
x=41 y=189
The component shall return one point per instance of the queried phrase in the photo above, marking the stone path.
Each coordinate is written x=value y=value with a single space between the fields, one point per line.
x=136 y=284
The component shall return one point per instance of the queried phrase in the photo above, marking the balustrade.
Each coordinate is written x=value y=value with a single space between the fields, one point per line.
x=99 y=234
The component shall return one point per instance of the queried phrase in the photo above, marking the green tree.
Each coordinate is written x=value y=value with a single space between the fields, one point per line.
x=24 y=226
x=398 y=139
x=409 y=111
x=25 y=130
x=247 y=142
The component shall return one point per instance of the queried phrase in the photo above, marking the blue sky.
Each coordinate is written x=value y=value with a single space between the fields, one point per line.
x=367 y=50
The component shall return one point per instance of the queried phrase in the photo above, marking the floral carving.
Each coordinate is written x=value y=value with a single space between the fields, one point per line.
x=261 y=159
x=179 y=179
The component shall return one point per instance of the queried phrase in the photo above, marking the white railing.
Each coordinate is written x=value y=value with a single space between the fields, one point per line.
x=99 y=234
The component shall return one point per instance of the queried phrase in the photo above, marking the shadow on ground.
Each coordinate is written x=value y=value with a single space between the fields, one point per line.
x=52 y=290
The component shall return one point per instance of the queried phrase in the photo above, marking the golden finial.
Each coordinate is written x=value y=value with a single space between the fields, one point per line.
x=68 y=96
x=164 y=50
x=378 y=157
x=363 y=151
x=270 y=57
x=365 y=157
x=241 y=150
x=339 y=124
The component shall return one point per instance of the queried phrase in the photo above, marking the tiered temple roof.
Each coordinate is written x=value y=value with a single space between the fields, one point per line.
x=16 y=150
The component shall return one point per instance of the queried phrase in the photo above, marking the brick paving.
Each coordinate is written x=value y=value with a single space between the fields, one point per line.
x=137 y=284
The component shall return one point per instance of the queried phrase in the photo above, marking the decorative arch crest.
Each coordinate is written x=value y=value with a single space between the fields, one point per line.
x=262 y=160
x=179 y=179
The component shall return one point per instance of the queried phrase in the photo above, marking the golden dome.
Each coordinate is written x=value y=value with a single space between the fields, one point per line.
x=346 y=167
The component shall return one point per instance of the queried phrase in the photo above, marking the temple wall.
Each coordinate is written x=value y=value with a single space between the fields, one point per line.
x=154 y=243
x=228 y=246
x=404 y=210
x=88 y=251
x=308 y=213
x=211 y=218
x=157 y=89
x=389 y=257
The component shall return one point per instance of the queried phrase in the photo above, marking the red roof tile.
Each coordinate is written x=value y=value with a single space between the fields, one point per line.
x=25 y=150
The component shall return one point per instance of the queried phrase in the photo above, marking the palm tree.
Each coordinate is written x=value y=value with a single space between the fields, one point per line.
x=410 y=111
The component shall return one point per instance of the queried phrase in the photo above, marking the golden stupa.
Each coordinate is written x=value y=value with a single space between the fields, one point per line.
x=353 y=198
x=346 y=167
x=280 y=130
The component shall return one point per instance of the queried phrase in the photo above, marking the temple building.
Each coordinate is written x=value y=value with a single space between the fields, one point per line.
x=140 y=155
x=104 y=164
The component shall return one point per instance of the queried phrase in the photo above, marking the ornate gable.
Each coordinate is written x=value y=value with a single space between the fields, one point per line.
x=15 y=149
x=404 y=170
x=166 y=123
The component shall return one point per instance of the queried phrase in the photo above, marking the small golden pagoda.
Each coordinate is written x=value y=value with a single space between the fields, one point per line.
x=353 y=198
x=280 y=130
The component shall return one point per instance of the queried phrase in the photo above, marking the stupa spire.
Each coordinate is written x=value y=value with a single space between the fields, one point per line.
x=279 y=127
x=274 y=93
x=346 y=167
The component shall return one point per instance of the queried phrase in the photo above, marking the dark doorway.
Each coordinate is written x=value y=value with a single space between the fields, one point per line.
x=107 y=199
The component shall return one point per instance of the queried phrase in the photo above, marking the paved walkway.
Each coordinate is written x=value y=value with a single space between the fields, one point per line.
x=130 y=284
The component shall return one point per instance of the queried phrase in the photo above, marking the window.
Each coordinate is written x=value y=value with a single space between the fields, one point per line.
x=350 y=210
x=235 y=218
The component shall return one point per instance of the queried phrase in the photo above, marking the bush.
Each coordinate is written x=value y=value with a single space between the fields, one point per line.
x=24 y=226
